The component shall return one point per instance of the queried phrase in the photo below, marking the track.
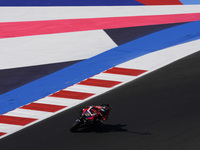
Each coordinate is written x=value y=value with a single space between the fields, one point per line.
x=157 y=111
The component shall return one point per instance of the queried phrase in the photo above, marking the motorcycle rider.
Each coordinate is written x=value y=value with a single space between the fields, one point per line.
x=102 y=112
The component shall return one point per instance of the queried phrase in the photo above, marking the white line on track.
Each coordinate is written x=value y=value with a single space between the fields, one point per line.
x=86 y=89
x=113 y=77
x=29 y=113
x=7 y=128
x=58 y=101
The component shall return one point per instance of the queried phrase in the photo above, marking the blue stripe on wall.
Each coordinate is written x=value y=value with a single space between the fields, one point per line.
x=68 y=2
x=190 y=2
x=80 y=71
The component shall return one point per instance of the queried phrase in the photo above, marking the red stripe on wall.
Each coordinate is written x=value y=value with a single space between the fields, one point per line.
x=2 y=133
x=100 y=83
x=43 y=107
x=71 y=94
x=160 y=2
x=28 y=28
x=124 y=71
x=15 y=120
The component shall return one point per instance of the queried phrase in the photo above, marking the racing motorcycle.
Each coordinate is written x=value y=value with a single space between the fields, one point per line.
x=89 y=118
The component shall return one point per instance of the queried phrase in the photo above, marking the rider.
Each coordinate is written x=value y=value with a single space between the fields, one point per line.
x=102 y=112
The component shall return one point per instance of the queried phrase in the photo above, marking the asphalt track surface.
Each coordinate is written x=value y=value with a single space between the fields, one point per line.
x=160 y=111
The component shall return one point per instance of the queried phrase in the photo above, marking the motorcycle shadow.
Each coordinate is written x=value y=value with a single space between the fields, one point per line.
x=105 y=128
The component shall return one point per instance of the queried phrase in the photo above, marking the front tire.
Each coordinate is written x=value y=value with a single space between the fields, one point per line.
x=75 y=126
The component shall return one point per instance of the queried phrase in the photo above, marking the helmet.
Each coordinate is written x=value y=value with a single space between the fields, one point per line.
x=106 y=105
x=105 y=109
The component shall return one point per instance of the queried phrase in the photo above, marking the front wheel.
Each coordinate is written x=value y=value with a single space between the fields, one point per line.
x=75 y=126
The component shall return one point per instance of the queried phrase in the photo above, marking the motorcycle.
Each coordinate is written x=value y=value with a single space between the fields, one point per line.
x=89 y=118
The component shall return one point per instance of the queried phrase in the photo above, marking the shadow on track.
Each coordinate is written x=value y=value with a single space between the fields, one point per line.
x=105 y=128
